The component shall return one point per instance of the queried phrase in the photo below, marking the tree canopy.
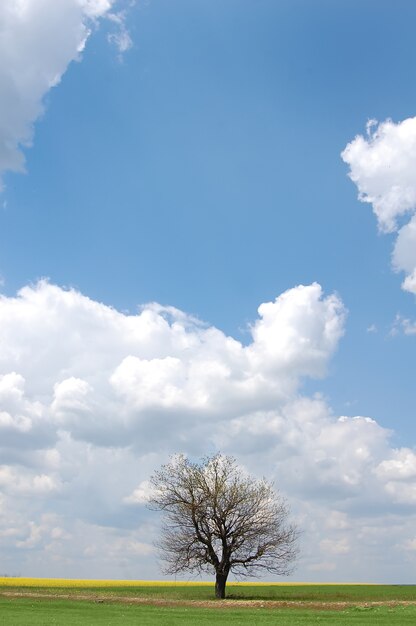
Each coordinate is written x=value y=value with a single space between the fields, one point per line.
x=218 y=519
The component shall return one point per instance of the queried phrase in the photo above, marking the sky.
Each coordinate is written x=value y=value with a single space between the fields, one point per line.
x=207 y=243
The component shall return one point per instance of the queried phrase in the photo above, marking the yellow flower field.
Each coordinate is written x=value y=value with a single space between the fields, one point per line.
x=9 y=581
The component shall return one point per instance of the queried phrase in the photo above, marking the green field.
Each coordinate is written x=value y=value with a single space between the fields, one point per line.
x=26 y=612
x=72 y=603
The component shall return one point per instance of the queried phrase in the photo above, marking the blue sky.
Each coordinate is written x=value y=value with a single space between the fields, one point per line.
x=191 y=156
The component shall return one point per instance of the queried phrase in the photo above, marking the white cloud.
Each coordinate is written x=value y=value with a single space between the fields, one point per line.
x=140 y=495
x=34 y=537
x=382 y=165
x=14 y=422
x=403 y=324
x=401 y=465
x=15 y=482
x=337 y=546
x=402 y=492
x=95 y=8
x=92 y=400
x=70 y=398
x=298 y=332
x=409 y=283
x=337 y=520
x=121 y=37
x=41 y=533
x=38 y=40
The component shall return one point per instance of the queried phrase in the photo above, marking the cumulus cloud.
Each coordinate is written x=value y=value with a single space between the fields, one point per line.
x=15 y=482
x=141 y=495
x=92 y=400
x=382 y=165
x=401 y=465
x=38 y=40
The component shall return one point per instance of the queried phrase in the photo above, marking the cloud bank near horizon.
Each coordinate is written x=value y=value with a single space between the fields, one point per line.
x=92 y=400
x=38 y=41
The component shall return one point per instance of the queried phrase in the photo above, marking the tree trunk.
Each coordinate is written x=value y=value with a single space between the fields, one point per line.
x=220 y=582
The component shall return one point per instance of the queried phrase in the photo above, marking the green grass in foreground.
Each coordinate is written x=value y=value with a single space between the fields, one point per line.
x=28 y=612
x=319 y=593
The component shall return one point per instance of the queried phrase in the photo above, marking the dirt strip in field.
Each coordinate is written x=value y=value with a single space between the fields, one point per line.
x=215 y=604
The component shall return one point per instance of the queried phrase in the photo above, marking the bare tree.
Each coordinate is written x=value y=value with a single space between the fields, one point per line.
x=218 y=520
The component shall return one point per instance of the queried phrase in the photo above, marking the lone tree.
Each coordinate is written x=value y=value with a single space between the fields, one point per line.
x=218 y=519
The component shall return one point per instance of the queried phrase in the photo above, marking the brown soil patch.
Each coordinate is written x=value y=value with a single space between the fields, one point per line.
x=214 y=604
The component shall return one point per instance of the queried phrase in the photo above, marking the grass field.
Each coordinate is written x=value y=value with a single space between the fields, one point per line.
x=47 y=602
